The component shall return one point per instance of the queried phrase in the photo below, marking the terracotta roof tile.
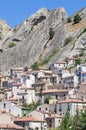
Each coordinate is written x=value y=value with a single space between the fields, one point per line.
x=11 y=126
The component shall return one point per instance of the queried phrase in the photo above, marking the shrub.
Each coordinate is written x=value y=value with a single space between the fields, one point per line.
x=12 y=44
x=51 y=33
x=35 y=66
x=67 y=40
x=81 y=54
x=47 y=59
x=1 y=50
x=69 y=20
x=47 y=99
x=77 y=18
x=78 y=61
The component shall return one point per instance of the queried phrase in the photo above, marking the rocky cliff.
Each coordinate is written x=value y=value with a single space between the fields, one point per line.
x=41 y=37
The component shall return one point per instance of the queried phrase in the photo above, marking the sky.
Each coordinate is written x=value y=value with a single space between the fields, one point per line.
x=16 y=11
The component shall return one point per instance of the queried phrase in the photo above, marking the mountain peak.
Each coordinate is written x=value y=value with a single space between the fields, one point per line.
x=30 y=41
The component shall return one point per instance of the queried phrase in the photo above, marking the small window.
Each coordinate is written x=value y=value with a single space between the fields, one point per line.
x=56 y=96
x=68 y=106
x=59 y=120
x=4 y=105
x=25 y=90
x=28 y=77
x=39 y=108
x=60 y=107
x=23 y=97
x=46 y=109
x=50 y=121
x=50 y=125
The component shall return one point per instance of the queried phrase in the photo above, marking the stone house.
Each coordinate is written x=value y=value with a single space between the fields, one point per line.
x=30 y=123
x=7 y=122
x=72 y=105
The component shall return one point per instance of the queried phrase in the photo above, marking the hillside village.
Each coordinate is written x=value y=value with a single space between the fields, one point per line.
x=38 y=99
x=42 y=70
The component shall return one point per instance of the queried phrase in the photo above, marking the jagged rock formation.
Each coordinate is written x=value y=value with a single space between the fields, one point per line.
x=4 y=29
x=32 y=43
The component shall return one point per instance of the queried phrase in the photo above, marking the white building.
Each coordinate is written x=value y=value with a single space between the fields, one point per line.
x=28 y=79
x=60 y=65
x=72 y=105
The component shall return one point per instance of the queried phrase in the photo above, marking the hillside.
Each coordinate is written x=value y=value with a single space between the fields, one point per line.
x=31 y=40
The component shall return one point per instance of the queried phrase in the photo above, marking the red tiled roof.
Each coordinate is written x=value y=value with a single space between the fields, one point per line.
x=2 y=76
x=72 y=101
x=11 y=126
x=12 y=99
x=83 y=83
x=17 y=84
x=39 y=83
x=61 y=62
x=27 y=118
x=71 y=58
x=53 y=91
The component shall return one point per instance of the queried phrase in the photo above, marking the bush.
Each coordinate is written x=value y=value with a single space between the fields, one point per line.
x=78 y=61
x=1 y=50
x=48 y=58
x=12 y=44
x=81 y=54
x=77 y=18
x=47 y=99
x=51 y=33
x=69 y=20
x=67 y=40
x=35 y=66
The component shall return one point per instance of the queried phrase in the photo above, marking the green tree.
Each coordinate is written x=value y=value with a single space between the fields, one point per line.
x=35 y=66
x=67 y=40
x=76 y=122
x=1 y=50
x=77 y=61
x=83 y=121
x=51 y=33
x=66 y=122
x=77 y=18
x=12 y=44
x=47 y=99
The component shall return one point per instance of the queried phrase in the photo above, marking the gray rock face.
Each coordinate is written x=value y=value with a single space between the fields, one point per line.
x=32 y=42
x=4 y=29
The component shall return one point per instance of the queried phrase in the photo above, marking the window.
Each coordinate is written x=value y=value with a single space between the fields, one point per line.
x=68 y=106
x=59 y=120
x=39 y=108
x=25 y=90
x=15 y=75
x=50 y=121
x=4 y=105
x=56 y=96
x=23 y=97
x=28 y=77
x=60 y=107
x=46 y=108
x=50 y=125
